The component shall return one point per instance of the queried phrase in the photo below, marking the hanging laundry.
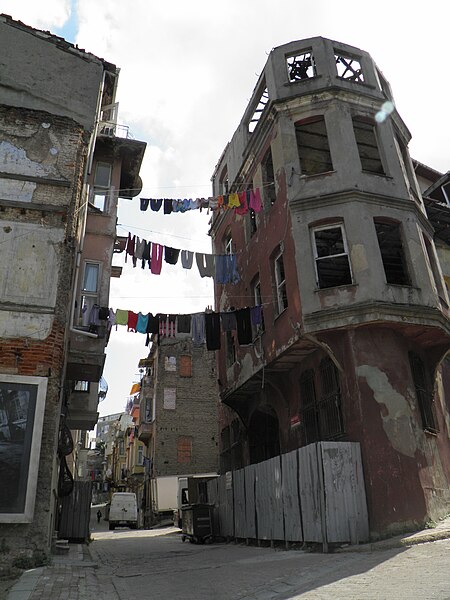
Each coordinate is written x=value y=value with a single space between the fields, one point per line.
x=205 y=264
x=93 y=315
x=256 y=315
x=146 y=254
x=233 y=200
x=155 y=205
x=139 y=249
x=167 y=206
x=167 y=325
x=183 y=324
x=243 y=208
x=228 y=320
x=198 y=329
x=132 y=321
x=212 y=330
x=187 y=258
x=111 y=319
x=129 y=250
x=142 y=323
x=121 y=317
x=152 y=324
x=171 y=255
x=103 y=313
x=226 y=269
x=244 y=326
x=156 y=258
x=255 y=200
x=144 y=203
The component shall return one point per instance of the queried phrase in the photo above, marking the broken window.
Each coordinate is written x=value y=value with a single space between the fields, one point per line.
x=257 y=297
x=313 y=147
x=392 y=254
x=268 y=177
x=259 y=109
x=433 y=263
x=228 y=244
x=102 y=183
x=280 y=283
x=367 y=143
x=301 y=66
x=424 y=392
x=348 y=67
x=331 y=256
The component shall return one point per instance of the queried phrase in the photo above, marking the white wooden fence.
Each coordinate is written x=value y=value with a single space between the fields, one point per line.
x=313 y=494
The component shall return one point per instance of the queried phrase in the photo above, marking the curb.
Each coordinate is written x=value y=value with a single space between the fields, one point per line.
x=403 y=542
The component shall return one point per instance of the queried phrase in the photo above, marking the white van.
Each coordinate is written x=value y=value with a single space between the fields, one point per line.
x=123 y=511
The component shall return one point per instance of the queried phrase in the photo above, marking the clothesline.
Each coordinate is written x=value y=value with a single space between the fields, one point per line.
x=242 y=202
x=221 y=267
x=201 y=327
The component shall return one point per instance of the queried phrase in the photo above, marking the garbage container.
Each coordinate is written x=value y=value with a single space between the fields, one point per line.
x=197 y=523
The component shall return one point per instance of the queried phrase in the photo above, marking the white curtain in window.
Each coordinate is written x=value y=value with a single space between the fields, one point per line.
x=90 y=278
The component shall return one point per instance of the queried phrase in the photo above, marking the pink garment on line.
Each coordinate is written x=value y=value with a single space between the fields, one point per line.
x=156 y=258
x=255 y=200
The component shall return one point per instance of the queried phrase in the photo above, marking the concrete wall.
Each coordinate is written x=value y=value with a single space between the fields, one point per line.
x=50 y=74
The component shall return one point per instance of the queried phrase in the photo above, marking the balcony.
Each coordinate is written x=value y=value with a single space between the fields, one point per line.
x=145 y=432
x=82 y=407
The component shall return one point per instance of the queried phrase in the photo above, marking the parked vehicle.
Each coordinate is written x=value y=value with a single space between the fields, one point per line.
x=192 y=489
x=123 y=511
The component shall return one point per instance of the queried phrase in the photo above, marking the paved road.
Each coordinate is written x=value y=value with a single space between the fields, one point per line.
x=155 y=565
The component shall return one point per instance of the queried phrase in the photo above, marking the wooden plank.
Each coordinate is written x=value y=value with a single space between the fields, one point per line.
x=239 y=503
x=250 y=506
x=310 y=493
x=269 y=503
x=346 y=510
x=291 y=497
x=75 y=512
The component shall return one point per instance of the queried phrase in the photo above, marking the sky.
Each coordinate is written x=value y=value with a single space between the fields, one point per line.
x=187 y=73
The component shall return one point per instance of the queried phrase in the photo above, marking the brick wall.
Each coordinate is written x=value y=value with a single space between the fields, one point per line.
x=193 y=422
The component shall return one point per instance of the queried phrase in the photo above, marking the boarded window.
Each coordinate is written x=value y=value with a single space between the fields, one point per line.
x=424 y=392
x=313 y=148
x=170 y=396
x=366 y=140
x=329 y=407
x=331 y=256
x=184 y=449
x=185 y=366
x=392 y=255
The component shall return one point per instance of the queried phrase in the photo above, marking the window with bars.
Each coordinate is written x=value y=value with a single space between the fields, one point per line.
x=392 y=254
x=313 y=147
x=320 y=403
x=424 y=392
x=367 y=143
x=331 y=256
x=280 y=283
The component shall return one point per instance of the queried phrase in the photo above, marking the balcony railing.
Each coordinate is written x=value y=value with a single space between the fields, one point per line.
x=111 y=129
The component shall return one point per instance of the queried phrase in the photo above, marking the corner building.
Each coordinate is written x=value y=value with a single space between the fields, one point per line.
x=342 y=259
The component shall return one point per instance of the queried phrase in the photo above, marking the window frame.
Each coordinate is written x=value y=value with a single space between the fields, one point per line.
x=317 y=258
x=268 y=178
x=305 y=169
x=380 y=222
x=367 y=122
x=86 y=296
x=281 y=297
x=99 y=190
x=257 y=297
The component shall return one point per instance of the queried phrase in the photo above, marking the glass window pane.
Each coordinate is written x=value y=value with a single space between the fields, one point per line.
x=329 y=242
x=90 y=277
x=102 y=175
x=99 y=201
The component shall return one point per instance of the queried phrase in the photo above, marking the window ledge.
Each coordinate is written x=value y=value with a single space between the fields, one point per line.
x=388 y=177
x=279 y=314
x=409 y=286
x=336 y=287
x=315 y=175
x=431 y=432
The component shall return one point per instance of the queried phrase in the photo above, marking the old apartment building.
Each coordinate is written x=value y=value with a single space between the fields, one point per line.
x=177 y=419
x=63 y=165
x=342 y=258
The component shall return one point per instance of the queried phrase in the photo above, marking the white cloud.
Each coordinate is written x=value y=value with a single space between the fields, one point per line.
x=45 y=14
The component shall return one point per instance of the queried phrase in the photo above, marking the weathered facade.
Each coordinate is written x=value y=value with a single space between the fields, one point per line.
x=60 y=151
x=342 y=259
x=178 y=417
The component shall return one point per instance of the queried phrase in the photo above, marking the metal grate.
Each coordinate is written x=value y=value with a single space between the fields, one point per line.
x=329 y=405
